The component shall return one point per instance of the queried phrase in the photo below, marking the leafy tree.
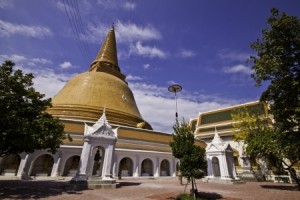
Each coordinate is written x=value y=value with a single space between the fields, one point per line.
x=24 y=124
x=277 y=63
x=264 y=140
x=191 y=157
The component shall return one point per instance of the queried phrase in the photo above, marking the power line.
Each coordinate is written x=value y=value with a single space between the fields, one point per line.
x=76 y=25
x=80 y=20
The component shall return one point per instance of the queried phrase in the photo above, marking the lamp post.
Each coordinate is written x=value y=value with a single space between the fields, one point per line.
x=175 y=88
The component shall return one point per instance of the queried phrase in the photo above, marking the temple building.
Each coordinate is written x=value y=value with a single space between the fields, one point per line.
x=220 y=120
x=112 y=140
x=110 y=137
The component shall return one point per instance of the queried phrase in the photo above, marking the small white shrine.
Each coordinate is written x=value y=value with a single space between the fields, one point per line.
x=95 y=167
x=220 y=162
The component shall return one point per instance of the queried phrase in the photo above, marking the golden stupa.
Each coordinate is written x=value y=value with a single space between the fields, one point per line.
x=103 y=86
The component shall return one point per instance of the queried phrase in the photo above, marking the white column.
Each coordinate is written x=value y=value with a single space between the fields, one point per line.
x=137 y=167
x=223 y=166
x=209 y=167
x=63 y=162
x=173 y=168
x=57 y=161
x=115 y=163
x=21 y=171
x=84 y=159
x=156 y=167
x=107 y=164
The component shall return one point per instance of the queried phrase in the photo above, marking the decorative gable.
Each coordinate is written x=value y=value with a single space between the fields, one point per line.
x=100 y=129
x=213 y=147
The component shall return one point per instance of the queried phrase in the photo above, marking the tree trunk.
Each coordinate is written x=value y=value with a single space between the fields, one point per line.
x=193 y=189
x=292 y=172
x=294 y=176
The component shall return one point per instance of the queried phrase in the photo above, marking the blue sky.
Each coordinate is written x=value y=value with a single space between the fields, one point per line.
x=201 y=45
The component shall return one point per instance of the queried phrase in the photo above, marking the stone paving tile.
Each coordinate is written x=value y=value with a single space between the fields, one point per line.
x=139 y=189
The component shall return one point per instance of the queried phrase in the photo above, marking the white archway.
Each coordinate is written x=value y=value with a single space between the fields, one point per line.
x=165 y=168
x=147 y=167
x=10 y=164
x=216 y=167
x=42 y=166
x=71 y=166
x=125 y=167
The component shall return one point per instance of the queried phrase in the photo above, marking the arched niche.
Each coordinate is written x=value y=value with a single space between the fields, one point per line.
x=216 y=167
x=10 y=164
x=71 y=166
x=42 y=166
x=125 y=167
x=147 y=167
x=98 y=157
x=165 y=168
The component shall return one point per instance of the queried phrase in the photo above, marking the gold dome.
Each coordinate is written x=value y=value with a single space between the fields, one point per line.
x=86 y=95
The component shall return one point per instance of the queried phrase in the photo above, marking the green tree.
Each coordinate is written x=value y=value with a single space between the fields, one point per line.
x=24 y=123
x=263 y=140
x=277 y=63
x=191 y=157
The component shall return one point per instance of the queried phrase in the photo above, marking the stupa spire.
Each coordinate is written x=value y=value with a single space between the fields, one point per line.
x=217 y=139
x=107 y=57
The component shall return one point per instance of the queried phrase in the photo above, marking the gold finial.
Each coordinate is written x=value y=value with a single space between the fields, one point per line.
x=108 y=52
x=113 y=26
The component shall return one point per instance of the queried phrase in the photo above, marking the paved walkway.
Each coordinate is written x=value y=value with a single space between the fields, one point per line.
x=140 y=189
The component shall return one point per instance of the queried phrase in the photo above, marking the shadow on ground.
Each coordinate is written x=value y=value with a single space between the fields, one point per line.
x=209 y=195
x=24 y=189
x=175 y=196
x=280 y=187
x=122 y=184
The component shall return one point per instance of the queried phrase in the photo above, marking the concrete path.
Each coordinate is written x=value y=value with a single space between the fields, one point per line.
x=140 y=189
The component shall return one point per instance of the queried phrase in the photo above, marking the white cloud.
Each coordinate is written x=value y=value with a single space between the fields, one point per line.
x=41 y=60
x=108 y=4
x=185 y=53
x=157 y=105
x=225 y=54
x=49 y=82
x=129 y=6
x=171 y=82
x=7 y=29
x=115 y=5
x=6 y=4
x=146 y=66
x=65 y=6
x=146 y=51
x=46 y=80
x=133 y=78
x=22 y=60
x=237 y=69
x=125 y=32
x=95 y=34
x=129 y=32
x=60 y=6
x=14 y=58
x=65 y=65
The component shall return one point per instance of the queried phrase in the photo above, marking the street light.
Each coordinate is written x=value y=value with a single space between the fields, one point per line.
x=175 y=88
